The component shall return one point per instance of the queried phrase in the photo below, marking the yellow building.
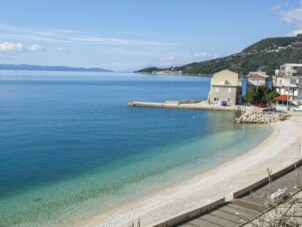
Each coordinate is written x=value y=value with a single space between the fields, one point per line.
x=225 y=88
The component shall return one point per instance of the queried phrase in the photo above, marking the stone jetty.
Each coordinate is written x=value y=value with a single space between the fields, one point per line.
x=259 y=116
x=187 y=104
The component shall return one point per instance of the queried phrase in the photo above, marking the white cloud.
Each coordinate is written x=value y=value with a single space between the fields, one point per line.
x=184 y=58
x=295 y=32
x=292 y=16
x=63 y=50
x=170 y=58
x=90 y=39
x=276 y=8
x=138 y=33
x=129 y=52
x=15 y=48
x=7 y=47
x=168 y=61
x=75 y=37
x=34 y=48
x=201 y=55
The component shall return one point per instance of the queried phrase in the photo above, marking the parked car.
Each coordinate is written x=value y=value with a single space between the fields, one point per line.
x=269 y=109
x=260 y=105
x=297 y=108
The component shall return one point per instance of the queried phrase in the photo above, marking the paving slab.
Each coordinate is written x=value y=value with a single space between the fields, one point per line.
x=247 y=207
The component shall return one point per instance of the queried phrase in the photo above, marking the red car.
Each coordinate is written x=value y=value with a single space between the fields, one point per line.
x=260 y=105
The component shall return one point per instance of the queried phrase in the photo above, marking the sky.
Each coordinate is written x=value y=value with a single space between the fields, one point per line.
x=129 y=35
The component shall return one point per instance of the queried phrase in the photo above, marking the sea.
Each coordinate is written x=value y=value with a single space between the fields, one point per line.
x=71 y=148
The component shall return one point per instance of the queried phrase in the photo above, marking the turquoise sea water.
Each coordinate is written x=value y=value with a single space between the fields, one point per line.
x=70 y=147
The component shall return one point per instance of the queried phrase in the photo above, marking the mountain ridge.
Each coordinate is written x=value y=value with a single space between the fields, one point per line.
x=50 y=68
x=266 y=55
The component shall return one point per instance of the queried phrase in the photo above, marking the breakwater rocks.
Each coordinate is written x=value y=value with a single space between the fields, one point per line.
x=258 y=116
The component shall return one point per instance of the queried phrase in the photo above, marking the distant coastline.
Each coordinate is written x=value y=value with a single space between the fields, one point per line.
x=172 y=73
x=50 y=68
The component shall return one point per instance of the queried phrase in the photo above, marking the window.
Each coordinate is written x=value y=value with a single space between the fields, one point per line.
x=216 y=99
x=229 y=99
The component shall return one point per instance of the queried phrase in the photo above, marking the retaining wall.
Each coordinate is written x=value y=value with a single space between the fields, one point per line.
x=191 y=214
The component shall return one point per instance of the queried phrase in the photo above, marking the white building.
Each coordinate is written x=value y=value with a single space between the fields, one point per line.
x=289 y=69
x=258 y=79
x=291 y=85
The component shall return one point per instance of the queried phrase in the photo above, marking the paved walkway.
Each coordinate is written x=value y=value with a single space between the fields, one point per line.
x=239 y=211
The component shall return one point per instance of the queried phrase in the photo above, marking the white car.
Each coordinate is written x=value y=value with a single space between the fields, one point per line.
x=297 y=108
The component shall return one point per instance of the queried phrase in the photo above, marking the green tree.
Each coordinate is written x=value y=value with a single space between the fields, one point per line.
x=270 y=96
x=257 y=94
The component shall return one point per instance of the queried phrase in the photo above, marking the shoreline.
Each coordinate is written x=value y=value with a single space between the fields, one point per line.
x=276 y=152
x=173 y=74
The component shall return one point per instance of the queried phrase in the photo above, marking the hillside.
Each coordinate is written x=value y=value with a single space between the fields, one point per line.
x=265 y=55
x=50 y=68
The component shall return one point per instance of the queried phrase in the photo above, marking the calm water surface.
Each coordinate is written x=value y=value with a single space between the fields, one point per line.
x=71 y=147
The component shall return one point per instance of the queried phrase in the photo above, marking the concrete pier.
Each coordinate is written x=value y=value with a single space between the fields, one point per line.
x=187 y=104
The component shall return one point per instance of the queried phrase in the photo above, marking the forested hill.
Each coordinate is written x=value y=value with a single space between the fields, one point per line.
x=265 y=55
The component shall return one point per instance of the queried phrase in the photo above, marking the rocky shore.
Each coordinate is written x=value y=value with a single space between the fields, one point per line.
x=258 y=116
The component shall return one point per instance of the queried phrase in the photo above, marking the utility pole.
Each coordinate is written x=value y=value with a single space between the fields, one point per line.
x=297 y=176
x=287 y=95
x=269 y=172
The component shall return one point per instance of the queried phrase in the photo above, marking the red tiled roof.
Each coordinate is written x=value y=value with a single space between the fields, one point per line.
x=258 y=76
x=283 y=97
